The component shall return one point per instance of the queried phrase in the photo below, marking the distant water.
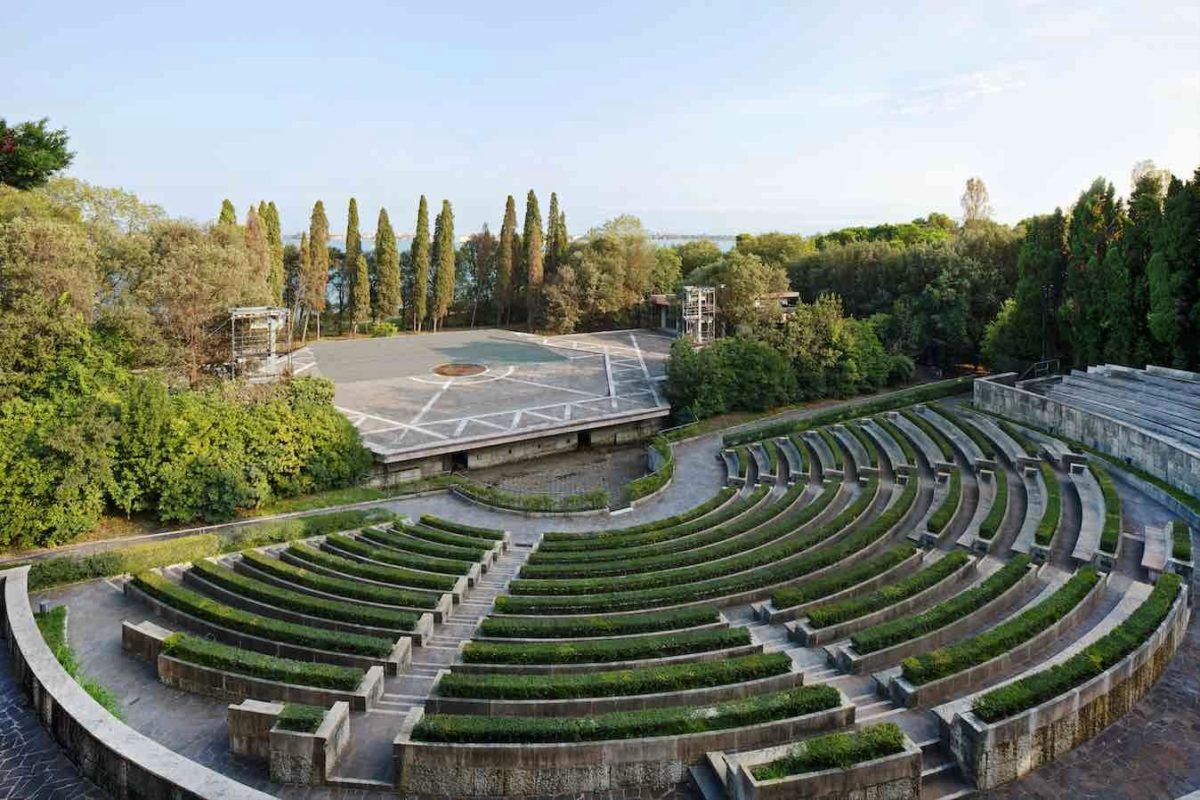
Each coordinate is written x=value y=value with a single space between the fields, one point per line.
x=403 y=242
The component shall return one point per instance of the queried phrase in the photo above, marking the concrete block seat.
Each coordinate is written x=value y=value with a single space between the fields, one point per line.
x=826 y=465
x=928 y=448
x=792 y=458
x=1157 y=549
x=1036 y=498
x=890 y=449
x=858 y=454
x=957 y=437
x=1012 y=450
x=1175 y=399
x=1129 y=413
x=1091 y=521
x=970 y=538
x=733 y=468
x=761 y=463
x=1177 y=412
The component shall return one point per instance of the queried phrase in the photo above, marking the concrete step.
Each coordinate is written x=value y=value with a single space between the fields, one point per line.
x=706 y=782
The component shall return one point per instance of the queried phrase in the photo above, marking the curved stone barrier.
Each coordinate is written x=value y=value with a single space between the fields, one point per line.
x=1091 y=522
x=1036 y=497
x=791 y=459
x=928 y=448
x=605 y=666
x=435 y=769
x=587 y=706
x=996 y=753
x=826 y=465
x=889 y=448
x=720 y=624
x=955 y=435
x=108 y=752
x=895 y=777
x=768 y=612
x=287 y=557
x=479 y=501
x=458 y=591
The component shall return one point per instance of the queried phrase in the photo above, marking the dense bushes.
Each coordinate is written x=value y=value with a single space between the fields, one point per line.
x=540 y=502
x=615 y=683
x=461 y=528
x=1181 y=541
x=342 y=587
x=550 y=538
x=183 y=599
x=207 y=653
x=945 y=512
x=411 y=544
x=676 y=721
x=1049 y=523
x=300 y=718
x=376 y=572
x=602 y=650
x=991 y=523
x=731 y=374
x=836 y=751
x=1035 y=689
x=835 y=613
x=649 y=484
x=397 y=558
x=891 y=633
x=53 y=626
x=443 y=537
x=1110 y=537
x=843 y=579
x=502 y=627
x=1002 y=638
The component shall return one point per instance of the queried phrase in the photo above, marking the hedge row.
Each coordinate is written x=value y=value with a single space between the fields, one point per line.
x=982 y=442
x=855 y=607
x=742 y=454
x=53 y=627
x=1049 y=524
x=798 y=443
x=834 y=448
x=1017 y=435
x=615 y=683
x=706 y=549
x=492 y=535
x=649 y=484
x=411 y=544
x=571 y=550
x=906 y=447
x=836 y=751
x=778 y=572
x=944 y=613
x=604 y=650
x=933 y=433
x=399 y=558
x=1181 y=541
x=501 y=627
x=945 y=512
x=209 y=610
x=300 y=718
x=1004 y=637
x=1111 y=535
x=843 y=579
x=208 y=653
x=771 y=449
x=991 y=523
x=866 y=441
x=499 y=498
x=554 y=537
x=343 y=587
x=347 y=566
x=340 y=610
x=1035 y=689
x=677 y=721
x=729 y=556
x=907 y=397
x=435 y=536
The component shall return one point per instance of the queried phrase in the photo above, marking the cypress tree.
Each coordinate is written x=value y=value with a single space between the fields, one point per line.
x=269 y=215
x=505 y=262
x=1174 y=275
x=1137 y=245
x=258 y=254
x=387 y=268
x=443 y=259
x=534 y=266
x=1094 y=226
x=552 y=245
x=420 y=259
x=318 y=262
x=228 y=213
x=360 y=296
x=302 y=276
x=350 y=262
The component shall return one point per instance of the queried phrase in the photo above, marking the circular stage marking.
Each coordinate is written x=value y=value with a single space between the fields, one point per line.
x=458 y=370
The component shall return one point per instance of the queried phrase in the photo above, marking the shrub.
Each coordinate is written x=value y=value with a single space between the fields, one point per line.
x=1004 y=637
x=843 y=579
x=411 y=544
x=1181 y=541
x=677 y=721
x=383 y=328
x=551 y=538
x=53 y=626
x=769 y=448
x=394 y=575
x=502 y=627
x=932 y=432
x=798 y=444
x=906 y=447
x=649 y=484
x=853 y=608
x=995 y=517
x=300 y=718
x=398 y=558
x=615 y=683
x=208 y=653
x=1035 y=689
x=342 y=587
x=743 y=461
x=304 y=603
x=982 y=442
x=945 y=512
x=867 y=442
x=834 y=448
x=836 y=751
x=1110 y=537
x=891 y=633
x=1049 y=524
x=209 y=610
x=438 y=536
x=500 y=498
x=461 y=528
x=601 y=650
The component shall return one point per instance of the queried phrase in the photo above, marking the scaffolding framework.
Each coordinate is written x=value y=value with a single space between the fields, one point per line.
x=699 y=313
x=254 y=340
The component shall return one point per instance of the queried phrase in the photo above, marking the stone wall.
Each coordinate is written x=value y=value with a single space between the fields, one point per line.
x=895 y=777
x=107 y=752
x=1149 y=452
x=309 y=758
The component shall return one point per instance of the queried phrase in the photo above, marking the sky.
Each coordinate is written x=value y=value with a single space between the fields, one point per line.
x=696 y=117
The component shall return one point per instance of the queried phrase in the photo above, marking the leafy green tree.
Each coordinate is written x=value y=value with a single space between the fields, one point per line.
x=318 y=265
x=444 y=262
x=533 y=255
x=697 y=253
x=30 y=153
x=228 y=214
x=360 y=298
x=775 y=249
x=258 y=250
x=481 y=250
x=387 y=268
x=1137 y=247
x=506 y=262
x=732 y=374
x=420 y=265
x=667 y=272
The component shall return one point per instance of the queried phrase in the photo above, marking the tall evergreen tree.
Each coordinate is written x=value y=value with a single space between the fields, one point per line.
x=1174 y=275
x=228 y=213
x=443 y=259
x=506 y=263
x=1137 y=246
x=420 y=259
x=483 y=262
x=303 y=271
x=360 y=293
x=258 y=251
x=269 y=214
x=1094 y=227
x=387 y=268
x=534 y=265
x=350 y=262
x=318 y=263
x=555 y=248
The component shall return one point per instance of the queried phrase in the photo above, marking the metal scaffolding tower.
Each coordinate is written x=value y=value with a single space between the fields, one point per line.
x=699 y=313
x=254 y=335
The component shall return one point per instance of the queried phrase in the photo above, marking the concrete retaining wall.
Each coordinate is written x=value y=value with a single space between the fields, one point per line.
x=309 y=758
x=895 y=777
x=108 y=752
x=212 y=682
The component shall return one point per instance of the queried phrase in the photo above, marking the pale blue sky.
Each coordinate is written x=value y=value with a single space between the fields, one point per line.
x=716 y=117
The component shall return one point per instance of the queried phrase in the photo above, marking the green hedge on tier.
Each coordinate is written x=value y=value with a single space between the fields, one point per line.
x=597 y=651
x=53 y=627
x=300 y=718
x=945 y=512
x=982 y=442
x=769 y=447
x=649 y=484
x=932 y=432
x=835 y=751
x=1036 y=689
x=304 y=603
x=394 y=575
x=494 y=496
x=678 y=721
x=438 y=536
x=866 y=441
x=1181 y=541
x=421 y=547
x=342 y=587
x=615 y=683
x=1002 y=638
x=398 y=558
x=1049 y=523
x=906 y=447
x=208 y=653
x=474 y=531
x=991 y=523
x=834 y=447
x=501 y=627
x=853 y=608
x=183 y=599
x=554 y=537
x=1110 y=537
x=1017 y=435
x=844 y=579
x=891 y=633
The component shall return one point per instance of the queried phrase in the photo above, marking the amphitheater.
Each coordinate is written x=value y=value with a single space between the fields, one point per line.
x=924 y=595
